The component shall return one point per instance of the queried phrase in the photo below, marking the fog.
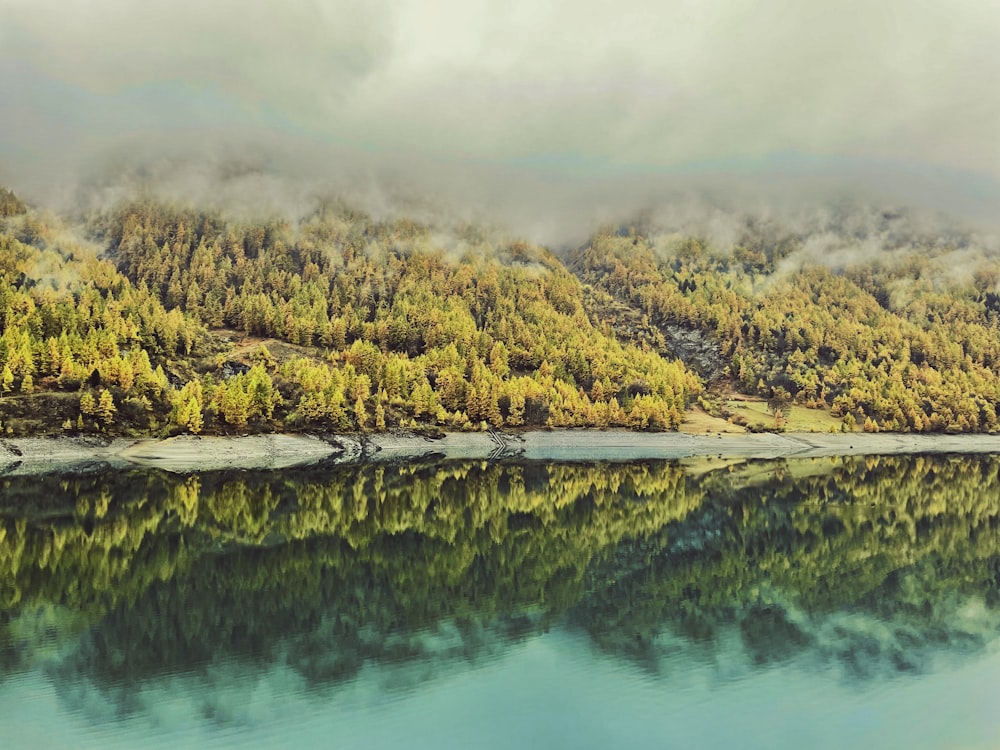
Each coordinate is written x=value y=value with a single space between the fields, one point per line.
x=551 y=117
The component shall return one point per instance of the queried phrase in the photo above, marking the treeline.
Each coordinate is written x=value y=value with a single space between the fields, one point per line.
x=390 y=325
x=169 y=319
x=887 y=343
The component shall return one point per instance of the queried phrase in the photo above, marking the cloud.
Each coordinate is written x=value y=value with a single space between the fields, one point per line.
x=527 y=109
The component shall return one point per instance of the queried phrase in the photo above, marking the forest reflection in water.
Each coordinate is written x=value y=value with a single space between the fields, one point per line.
x=118 y=590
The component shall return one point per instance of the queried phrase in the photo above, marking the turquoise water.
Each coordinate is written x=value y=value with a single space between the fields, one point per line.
x=551 y=692
x=826 y=604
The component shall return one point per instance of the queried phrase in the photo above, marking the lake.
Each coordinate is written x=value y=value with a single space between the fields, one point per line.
x=824 y=603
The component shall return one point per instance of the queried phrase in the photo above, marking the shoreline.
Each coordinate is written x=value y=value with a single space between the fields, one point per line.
x=189 y=453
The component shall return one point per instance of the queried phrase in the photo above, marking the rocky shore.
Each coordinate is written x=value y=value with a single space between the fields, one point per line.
x=186 y=453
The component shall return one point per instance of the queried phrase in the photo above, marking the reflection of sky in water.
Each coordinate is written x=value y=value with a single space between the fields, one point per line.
x=552 y=691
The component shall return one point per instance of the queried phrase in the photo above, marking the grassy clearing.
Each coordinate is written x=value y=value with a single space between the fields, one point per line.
x=796 y=418
x=699 y=422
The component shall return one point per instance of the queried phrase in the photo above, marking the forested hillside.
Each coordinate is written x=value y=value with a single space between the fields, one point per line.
x=900 y=337
x=149 y=318
x=168 y=323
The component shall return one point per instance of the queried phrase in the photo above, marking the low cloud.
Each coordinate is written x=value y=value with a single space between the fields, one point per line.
x=551 y=117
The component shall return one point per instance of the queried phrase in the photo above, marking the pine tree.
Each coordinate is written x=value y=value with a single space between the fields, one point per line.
x=193 y=419
x=234 y=402
x=88 y=405
x=106 y=407
x=360 y=413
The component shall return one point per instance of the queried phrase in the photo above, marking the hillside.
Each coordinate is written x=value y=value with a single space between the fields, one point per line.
x=153 y=319
x=886 y=328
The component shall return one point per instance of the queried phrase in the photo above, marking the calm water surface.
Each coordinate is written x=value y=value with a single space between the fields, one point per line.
x=813 y=604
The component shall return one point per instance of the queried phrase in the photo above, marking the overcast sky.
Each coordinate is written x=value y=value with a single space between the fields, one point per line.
x=535 y=108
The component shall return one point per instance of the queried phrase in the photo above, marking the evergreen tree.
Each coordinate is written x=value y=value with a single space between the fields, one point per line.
x=106 y=408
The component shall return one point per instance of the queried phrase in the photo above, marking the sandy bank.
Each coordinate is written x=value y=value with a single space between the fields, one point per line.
x=189 y=453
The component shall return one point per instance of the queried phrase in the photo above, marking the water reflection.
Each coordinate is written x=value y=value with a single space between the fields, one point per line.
x=878 y=564
x=125 y=592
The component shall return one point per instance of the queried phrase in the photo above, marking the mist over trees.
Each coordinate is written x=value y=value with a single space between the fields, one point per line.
x=152 y=318
x=379 y=327
x=893 y=332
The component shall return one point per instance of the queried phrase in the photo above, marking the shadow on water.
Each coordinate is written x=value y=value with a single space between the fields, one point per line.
x=118 y=582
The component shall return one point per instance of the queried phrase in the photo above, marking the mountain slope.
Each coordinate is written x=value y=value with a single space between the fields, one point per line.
x=380 y=324
x=890 y=340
